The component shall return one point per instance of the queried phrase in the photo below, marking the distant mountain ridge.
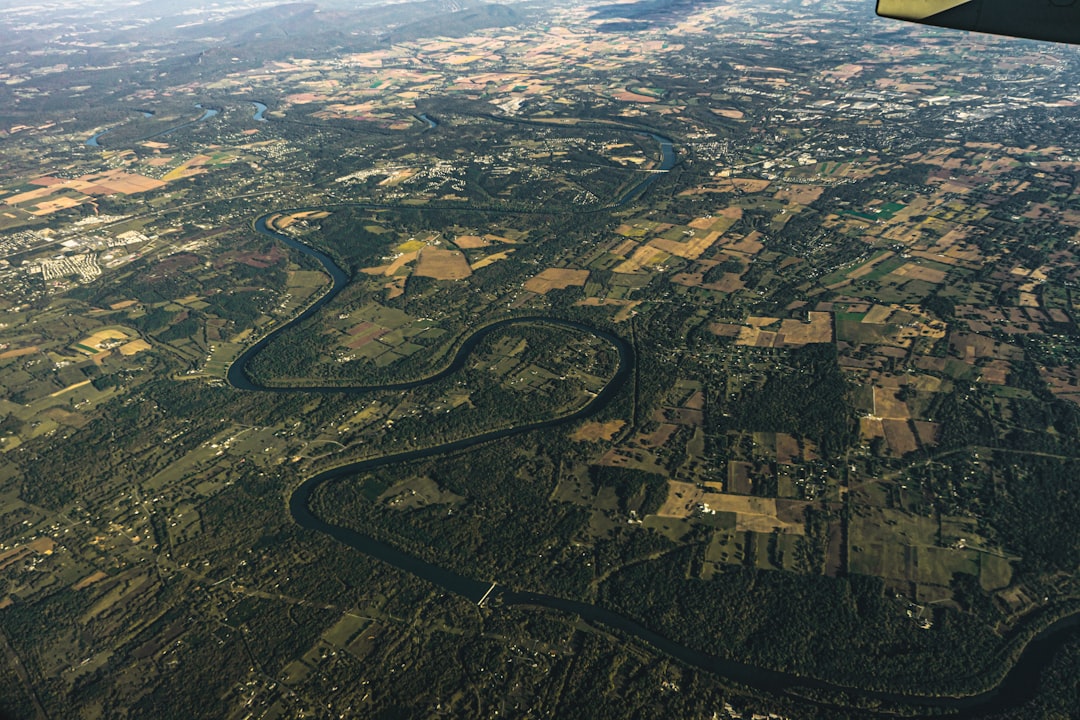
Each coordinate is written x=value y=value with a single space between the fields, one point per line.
x=394 y=23
x=646 y=13
x=279 y=20
x=457 y=24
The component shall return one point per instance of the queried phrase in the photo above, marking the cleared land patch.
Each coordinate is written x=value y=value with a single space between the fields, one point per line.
x=790 y=333
x=758 y=514
x=887 y=406
x=899 y=436
x=594 y=431
x=134 y=347
x=102 y=341
x=491 y=259
x=912 y=271
x=471 y=242
x=442 y=264
x=18 y=352
x=682 y=500
x=557 y=279
x=646 y=256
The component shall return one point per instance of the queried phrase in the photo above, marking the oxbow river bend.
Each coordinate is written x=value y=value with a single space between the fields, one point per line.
x=1018 y=685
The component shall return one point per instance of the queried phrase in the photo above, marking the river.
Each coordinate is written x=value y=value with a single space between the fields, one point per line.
x=93 y=141
x=207 y=114
x=1018 y=686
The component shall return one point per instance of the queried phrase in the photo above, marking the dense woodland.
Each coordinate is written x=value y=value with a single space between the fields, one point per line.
x=178 y=586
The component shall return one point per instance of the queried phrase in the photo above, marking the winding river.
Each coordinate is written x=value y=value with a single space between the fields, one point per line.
x=207 y=114
x=1018 y=686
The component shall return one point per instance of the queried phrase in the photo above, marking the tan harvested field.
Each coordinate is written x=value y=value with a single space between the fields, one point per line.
x=721 y=221
x=115 y=181
x=471 y=242
x=134 y=347
x=790 y=333
x=491 y=259
x=912 y=271
x=462 y=59
x=399 y=262
x=731 y=212
x=729 y=113
x=955 y=236
x=111 y=182
x=627 y=230
x=756 y=337
x=1029 y=300
x=817 y=329
x=627 y=96
x=556 y=279
x=750 y=185
x=927 y=431
x=887 y=406
x=37 y=197
x=646 y=256
x=899 y=436
x=18 y=352
x=928 y=383
x=691 y=250
x=787 y=449
x=878 y=314
x=51 y=206
x=682 y=499
x=761 y=322
x=103 y=337
x=123 y=305
x=844 y=72
x=870 y=428
x=799 y=194
x=442 y=264
x=725 y=329
x=758 y=514
x=624 y=248
x=749 y=245
x=730 y=185
x=594 y=431
x=971 y=347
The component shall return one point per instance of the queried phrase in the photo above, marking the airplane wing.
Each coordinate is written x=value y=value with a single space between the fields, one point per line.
x=1055 y=20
